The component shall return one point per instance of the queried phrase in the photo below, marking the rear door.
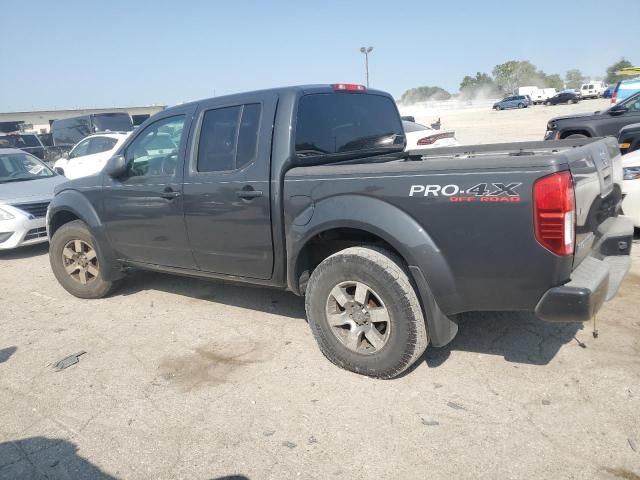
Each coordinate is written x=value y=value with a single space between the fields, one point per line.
x=227 y=187
x=143 y=210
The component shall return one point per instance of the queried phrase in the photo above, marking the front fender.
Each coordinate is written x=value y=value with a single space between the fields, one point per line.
x=384 y=220
x=68 y=204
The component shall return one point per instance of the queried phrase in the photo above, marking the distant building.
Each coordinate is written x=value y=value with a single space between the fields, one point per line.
x=40 y=121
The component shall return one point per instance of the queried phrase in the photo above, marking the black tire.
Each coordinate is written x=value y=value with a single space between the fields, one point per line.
x=498 y=108
x=95 y=286
x=548 y=104
x=383 y=273
x=576 y=135
x=570 y=101
x=521 y=105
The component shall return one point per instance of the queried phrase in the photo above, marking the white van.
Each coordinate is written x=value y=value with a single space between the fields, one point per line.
x=593 y=89
x=541 y=95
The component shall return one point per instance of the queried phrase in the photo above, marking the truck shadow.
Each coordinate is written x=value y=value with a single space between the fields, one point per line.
x=38 y=458
x=25 y=252
x=263 y=299
x=517 y=336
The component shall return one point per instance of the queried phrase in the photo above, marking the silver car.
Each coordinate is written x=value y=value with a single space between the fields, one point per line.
x=26 y=188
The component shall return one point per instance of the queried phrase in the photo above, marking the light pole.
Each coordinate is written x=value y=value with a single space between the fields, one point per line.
x=366 y=51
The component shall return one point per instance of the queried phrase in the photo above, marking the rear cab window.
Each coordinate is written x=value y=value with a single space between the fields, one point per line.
x=347 y=125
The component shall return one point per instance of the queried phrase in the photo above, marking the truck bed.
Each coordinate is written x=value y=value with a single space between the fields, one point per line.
x=472 y=208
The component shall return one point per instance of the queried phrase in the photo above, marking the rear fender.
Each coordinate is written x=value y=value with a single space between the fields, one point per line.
x=430 y=271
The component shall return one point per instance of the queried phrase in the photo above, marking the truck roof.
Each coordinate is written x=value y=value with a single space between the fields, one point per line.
x=312 y=88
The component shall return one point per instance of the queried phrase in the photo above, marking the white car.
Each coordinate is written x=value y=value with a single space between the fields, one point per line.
x=421 y=137
x=90 y=155
x=631 y=186
x=592 y=89
x=26 y=188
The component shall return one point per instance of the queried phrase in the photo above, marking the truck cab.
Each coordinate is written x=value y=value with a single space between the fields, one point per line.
x=310 y=189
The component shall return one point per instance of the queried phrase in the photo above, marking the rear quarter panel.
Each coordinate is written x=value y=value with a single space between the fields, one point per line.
x=477 y=252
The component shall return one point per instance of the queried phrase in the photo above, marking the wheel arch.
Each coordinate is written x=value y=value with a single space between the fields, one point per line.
x=369 y=221
x=71 y=205
x=576 y=131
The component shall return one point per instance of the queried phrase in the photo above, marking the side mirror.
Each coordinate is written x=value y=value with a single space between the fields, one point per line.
x=116 y=166
x=618 y=110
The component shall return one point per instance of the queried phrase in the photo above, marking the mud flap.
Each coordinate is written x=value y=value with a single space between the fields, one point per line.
x=441 y=329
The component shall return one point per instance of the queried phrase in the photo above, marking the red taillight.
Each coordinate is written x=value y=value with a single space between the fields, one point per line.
x=554 y=213
x=434 y=138
x=349 y=87
x=614 y=97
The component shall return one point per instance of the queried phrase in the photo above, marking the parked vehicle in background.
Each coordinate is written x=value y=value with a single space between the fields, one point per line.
x=629 y=138
x=27 y=142
x=608 y=92
x=526 y=90
x=542 y=95
x=421 y=137
x=562 y=97
x=592 y=89
x=69 y=131
x=631 y=186
x=26 y=188
x=597 y=124
x=625 y=89
x=89 y=156
x=515 y=101
x=310 y=189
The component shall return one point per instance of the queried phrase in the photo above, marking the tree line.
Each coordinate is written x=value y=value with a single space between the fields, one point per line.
x=507 y=77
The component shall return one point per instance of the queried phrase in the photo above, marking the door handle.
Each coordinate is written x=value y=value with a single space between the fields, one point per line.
x=169 y=193
x=248 y=193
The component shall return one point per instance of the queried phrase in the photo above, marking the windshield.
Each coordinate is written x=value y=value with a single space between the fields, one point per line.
x=18 y=141
x=345 y=123
x=113 y=122
x=17 y=167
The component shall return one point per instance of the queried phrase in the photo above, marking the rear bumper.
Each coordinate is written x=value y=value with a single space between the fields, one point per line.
x=595 y=281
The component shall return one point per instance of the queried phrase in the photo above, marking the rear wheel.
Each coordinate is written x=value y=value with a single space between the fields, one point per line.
x=498 y=108
x=75 y=264
x=521 y=105
x=364 y=312
x=548 y=104
x=570 y=101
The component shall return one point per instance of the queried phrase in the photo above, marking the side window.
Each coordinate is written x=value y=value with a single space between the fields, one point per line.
x=143 y=155
x=228 y=138
x=101 y=144
x=81 y=149
x=634 y=106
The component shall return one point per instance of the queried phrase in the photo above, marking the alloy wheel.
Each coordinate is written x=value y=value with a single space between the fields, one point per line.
x=80 y=261
x=358 y=317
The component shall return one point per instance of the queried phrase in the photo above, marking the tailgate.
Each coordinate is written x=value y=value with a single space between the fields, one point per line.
x=597 y=173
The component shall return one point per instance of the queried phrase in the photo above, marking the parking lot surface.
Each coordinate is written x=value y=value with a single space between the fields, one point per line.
x=183 y=378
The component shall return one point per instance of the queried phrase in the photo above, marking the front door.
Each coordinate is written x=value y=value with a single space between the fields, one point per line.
x=614 y=123
x=227 y=187
x=143 y=210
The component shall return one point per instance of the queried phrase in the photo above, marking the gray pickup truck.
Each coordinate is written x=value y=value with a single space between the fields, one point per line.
x=310 y=189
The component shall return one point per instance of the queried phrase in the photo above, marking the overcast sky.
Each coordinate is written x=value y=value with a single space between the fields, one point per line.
x=68 y=53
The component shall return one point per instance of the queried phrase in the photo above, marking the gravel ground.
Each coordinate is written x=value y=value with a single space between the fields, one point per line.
x=184 y=378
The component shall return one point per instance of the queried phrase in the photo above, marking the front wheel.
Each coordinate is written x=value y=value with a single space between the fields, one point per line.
x=570 y=101
x=521 y=105
x=74 y=260
x=548 y=104
x=364 y=312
